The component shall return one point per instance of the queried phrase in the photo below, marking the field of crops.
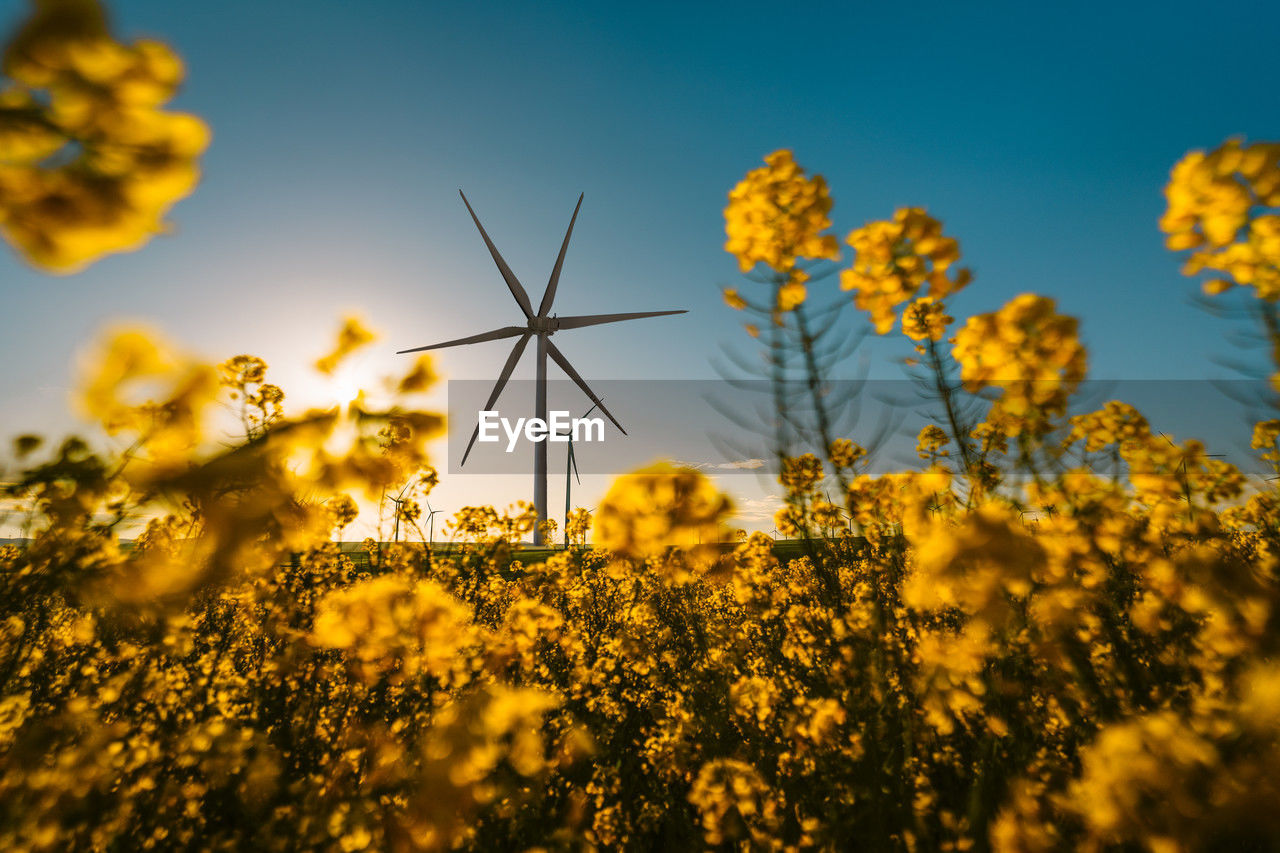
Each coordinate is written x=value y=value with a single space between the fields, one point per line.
x=1059 y=632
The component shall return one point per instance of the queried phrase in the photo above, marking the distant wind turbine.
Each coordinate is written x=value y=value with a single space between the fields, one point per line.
x=431 y=520
x=398 y=501
x=570 y=463
x=543 y=325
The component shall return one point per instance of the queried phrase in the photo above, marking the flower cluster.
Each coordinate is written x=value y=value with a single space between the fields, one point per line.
x=1028 y=351
x=657 y=508
x=776 y=216
x=90 y=162
x=893 y=260
x=1225 y=205
x=1116 y=423
x=394 y=624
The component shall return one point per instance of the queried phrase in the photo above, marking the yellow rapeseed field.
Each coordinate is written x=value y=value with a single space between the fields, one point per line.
x=949 y=672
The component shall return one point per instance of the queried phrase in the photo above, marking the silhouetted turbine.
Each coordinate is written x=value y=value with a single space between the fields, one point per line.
x=570 y=463
x=542 y=326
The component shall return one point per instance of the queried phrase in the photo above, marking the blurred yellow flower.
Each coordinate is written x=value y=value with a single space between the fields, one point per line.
x=74 y=90
x=394 y=625
x=1115 y=423
x=733 y=300
x=1030 y=352
x=776 y=216
x=975 y=566
x=801 y=474
x=351 y=337
x=925 y=318
x=578 y=525
x=792 y=293
x=894 y=259
x=1226 y=206
x=845 y=454
x=137 y=386
x=735 y=804
x=420 y=377
x=931 y=441
x=651 y=510
x=342 y=511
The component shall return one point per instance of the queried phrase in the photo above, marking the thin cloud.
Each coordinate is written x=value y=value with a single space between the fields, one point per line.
x=738 y=465
x=757 y=509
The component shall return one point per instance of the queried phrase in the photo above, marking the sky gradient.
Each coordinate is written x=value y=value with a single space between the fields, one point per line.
x=342 y=132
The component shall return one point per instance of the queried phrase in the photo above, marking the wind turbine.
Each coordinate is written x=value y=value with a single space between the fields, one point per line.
x=569 y=463
x=431 y=521
x=542 y=325
x=398 y=501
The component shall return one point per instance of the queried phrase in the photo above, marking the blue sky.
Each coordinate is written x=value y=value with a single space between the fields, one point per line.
x=1041 y=137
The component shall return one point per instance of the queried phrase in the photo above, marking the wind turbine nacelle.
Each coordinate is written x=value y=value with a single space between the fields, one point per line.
x=543 y=325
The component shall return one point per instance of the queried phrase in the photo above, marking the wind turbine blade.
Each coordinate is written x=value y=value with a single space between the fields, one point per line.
x=517 y=290
x=574 y=462
x=495 y=335
x=597 y=319
x=516 y=352
x=559 y=359
x=549 y=294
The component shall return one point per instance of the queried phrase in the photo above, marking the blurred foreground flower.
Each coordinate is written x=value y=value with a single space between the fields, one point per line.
x=776 y=216
x=1225 y=205
x=647 y=512
x=1031 y=353
x=395 y=625
x=89 y=161
x=352 y=337
x=893 y=260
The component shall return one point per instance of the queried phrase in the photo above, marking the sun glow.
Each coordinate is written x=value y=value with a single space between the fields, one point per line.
x=346 y=385
x=311 y=389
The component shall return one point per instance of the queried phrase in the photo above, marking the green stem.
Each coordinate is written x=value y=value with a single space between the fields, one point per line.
x=947 y=394
x=815 y=393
